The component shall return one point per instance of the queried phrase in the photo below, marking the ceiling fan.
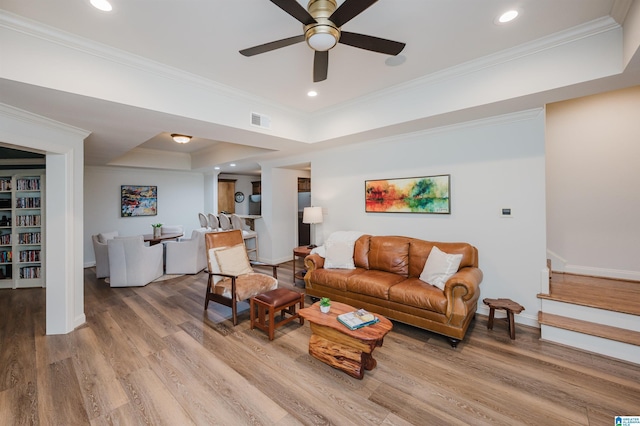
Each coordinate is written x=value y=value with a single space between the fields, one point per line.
x=322 y=31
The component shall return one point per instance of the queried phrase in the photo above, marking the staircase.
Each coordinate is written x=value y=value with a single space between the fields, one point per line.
x=599 y=315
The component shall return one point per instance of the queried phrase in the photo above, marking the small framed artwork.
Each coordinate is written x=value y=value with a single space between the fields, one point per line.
x=428 y=194
x=137 y=200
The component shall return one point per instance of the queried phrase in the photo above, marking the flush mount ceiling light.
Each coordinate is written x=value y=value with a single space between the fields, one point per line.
x=312 y=93
x=102 y=5
x=180 y=138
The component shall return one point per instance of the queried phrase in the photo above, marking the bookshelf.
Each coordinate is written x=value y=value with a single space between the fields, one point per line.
x=22 y=229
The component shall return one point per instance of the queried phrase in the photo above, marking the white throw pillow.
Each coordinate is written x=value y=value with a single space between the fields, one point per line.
x=439 y=267
x=339 y=255
x=105 y=236
x=233 y=260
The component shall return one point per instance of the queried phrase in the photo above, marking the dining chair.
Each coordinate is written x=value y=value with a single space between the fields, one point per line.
x=213 y=222
x=203 y=220
x=225 y=222
x=172 y=229
x=231 y=276
x=247 y=234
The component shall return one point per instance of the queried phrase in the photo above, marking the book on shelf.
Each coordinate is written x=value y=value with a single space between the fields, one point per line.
x=357 y=319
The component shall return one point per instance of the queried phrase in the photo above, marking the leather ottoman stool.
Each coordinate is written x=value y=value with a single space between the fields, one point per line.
x=279 y=300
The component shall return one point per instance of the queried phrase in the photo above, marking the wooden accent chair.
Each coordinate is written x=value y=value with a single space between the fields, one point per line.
x=231 y=276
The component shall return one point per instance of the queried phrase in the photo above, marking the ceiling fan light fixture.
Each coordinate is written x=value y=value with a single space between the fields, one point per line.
x=181 y=138
x=322 y=37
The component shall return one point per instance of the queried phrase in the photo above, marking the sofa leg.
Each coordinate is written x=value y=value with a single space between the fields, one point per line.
x=454 y=342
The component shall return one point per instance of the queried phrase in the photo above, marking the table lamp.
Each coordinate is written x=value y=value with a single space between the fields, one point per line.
x=311 y=216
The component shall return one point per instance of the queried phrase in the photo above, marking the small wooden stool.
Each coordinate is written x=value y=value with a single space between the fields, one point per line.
x=508 y=305
x=279 y=300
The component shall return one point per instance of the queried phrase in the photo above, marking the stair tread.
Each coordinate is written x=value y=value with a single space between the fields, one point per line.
x=603 y=293
x=590 y=328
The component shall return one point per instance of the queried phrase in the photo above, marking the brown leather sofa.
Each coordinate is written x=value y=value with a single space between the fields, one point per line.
x=386 y=281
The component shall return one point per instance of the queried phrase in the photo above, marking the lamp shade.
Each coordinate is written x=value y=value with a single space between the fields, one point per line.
x=312 y=215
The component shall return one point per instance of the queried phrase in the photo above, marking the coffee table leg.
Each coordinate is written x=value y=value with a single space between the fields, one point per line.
x=368 y=361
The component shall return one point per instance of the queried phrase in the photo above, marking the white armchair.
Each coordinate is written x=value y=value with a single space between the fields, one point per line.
x=101 y=253
x=131 y=263
x=187 y=256
x=172 y=229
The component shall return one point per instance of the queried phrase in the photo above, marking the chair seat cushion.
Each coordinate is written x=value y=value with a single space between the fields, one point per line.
x=247 y=285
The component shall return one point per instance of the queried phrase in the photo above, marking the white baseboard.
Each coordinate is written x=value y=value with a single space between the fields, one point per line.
x=522 y=318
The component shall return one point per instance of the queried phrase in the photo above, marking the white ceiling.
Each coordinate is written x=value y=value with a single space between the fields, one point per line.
x=203 y=37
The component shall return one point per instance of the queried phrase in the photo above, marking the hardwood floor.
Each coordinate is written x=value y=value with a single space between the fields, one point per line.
x=152 y=355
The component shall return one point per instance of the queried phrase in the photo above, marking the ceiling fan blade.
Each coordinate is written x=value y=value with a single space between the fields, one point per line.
x=320 y=65
x=267 y=47
x=375 y=44
x=349 y=10
x=295 y=9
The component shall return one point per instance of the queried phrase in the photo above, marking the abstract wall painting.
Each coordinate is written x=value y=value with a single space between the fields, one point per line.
x=136 y=200
x=429 y=194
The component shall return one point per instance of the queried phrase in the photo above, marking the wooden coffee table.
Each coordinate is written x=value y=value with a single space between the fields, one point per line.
x=336 y=345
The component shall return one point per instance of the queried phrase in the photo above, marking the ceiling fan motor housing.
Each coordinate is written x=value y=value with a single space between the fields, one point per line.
x=323 y=34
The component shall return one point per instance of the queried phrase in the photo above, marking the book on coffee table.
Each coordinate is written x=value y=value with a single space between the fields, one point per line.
x=357 y=319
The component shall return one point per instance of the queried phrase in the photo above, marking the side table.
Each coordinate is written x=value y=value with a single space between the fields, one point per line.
x=508 y=305
x=302 y=251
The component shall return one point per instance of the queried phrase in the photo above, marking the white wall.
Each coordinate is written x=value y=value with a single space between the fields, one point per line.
x=593 y=201
x=493 y=164
x=180 y=199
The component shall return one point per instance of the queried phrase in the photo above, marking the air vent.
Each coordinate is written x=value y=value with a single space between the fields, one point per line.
x=260 y=120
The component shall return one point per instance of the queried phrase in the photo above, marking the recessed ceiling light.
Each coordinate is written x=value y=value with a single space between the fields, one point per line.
x=102 y=5
x=232 y=164
x=312 y=93
x=394 y=61
x=216 y=168
x=508 y=16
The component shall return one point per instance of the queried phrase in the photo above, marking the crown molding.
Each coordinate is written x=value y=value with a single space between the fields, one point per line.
x=50 y=34
x=38 y=120
x=589 y=29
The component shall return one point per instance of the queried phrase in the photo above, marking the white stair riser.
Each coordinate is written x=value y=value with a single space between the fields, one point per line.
x=614 y=349
x=586 y=313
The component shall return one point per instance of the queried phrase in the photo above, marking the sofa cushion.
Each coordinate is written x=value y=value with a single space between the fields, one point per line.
x=417 y=293
x=373 y=283
x=389 y=254
x=440 y=266
x=334 y=278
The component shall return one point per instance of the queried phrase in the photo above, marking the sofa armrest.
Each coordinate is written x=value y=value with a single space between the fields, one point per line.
x=464 y=284
x=313 y=262
x=462 y=291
